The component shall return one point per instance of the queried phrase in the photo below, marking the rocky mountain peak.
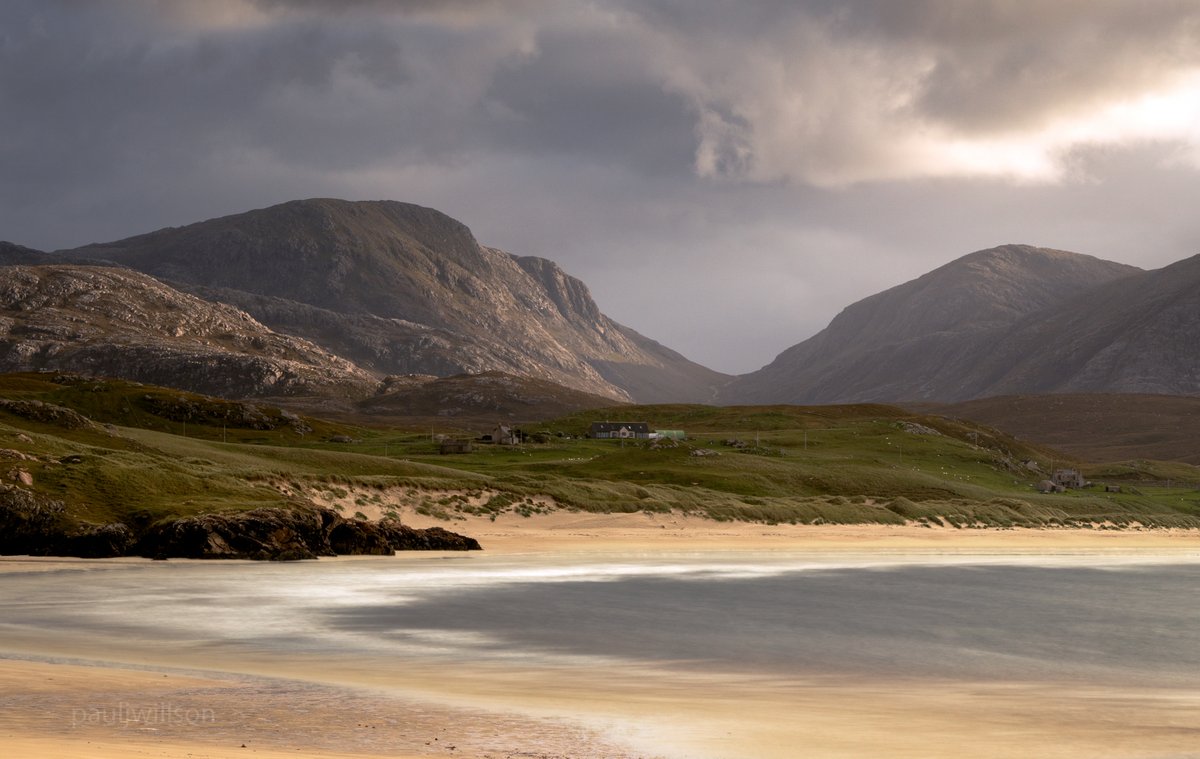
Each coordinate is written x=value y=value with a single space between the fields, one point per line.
x=402 y=289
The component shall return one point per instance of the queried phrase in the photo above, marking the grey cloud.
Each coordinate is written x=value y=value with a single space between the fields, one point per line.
x=845 y=91
x=576 y=131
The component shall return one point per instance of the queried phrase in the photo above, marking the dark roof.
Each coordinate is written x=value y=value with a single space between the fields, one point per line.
x=615 y=426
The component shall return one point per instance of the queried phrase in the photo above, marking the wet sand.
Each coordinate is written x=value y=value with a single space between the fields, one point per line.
x=47 y=708
x=52 y=710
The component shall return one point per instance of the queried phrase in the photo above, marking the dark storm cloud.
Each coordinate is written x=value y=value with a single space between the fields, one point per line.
x=777 y=159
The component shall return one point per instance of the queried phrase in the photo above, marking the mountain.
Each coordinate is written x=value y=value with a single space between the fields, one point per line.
x=11 y=253
x=120 y=323
x=931 y=338
x=401 y=289
x=1137 y=334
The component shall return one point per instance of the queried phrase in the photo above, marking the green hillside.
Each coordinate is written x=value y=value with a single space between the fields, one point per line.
x=118 y=451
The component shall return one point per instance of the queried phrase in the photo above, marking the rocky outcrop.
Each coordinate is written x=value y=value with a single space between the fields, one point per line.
x=282 y=534
x=35 y=525
x=266 y=533
x=116 y=323
x=48 y=413
x=384 y=538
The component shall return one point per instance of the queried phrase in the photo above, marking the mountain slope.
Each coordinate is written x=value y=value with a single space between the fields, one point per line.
x=1137 y=334
x=11 y=253
x=405 y=289
x=478 y=398
x=914 y=340
x=118 y=323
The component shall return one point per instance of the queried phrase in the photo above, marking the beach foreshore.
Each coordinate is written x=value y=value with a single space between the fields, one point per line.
x=309 y=707
x=587 y=532
x=54 y=709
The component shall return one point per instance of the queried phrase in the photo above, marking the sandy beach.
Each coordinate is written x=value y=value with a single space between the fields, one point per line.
x=585 y=532
x=303 y=707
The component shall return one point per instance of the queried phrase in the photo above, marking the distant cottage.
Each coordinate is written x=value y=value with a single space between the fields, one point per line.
x=619 y=431
x=1069 y=478
x=505 y=435
x=502 y=435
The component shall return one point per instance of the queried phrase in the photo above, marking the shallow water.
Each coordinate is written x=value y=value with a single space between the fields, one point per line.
x=1085 y=618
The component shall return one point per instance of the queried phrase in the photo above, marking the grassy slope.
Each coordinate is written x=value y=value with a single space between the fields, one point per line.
x=838 y=464
x=1095 y=427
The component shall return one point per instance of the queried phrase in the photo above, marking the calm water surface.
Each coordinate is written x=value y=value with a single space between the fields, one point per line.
x=1094 y=618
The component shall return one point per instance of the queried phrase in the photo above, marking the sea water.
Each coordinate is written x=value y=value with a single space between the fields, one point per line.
x=1095 y=618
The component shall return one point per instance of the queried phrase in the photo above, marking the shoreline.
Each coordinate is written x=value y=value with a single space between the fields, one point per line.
x=311 y=707
x=587 y=533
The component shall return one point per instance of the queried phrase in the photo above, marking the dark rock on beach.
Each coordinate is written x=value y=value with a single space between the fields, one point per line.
x=281 y=534
x=35 y=525
x=266 y=533
x=384 y=538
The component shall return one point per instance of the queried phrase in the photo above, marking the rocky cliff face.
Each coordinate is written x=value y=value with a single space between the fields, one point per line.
x=929 y=338
x=118 y=323
x=405 y=289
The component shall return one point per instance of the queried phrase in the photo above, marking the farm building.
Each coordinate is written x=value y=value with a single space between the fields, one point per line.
x=1069 y=478
x=619 y=431
x=502 y=435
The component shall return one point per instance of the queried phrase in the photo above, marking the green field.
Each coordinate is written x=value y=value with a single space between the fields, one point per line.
x=138 y=454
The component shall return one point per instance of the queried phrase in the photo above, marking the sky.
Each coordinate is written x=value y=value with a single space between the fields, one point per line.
x=725 y=176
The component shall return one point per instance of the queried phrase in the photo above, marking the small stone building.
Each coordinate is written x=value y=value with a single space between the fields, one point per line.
x=1069 y=478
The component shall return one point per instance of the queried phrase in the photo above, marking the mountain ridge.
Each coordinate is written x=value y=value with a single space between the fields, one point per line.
x=918 y=340
x=480 y=309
